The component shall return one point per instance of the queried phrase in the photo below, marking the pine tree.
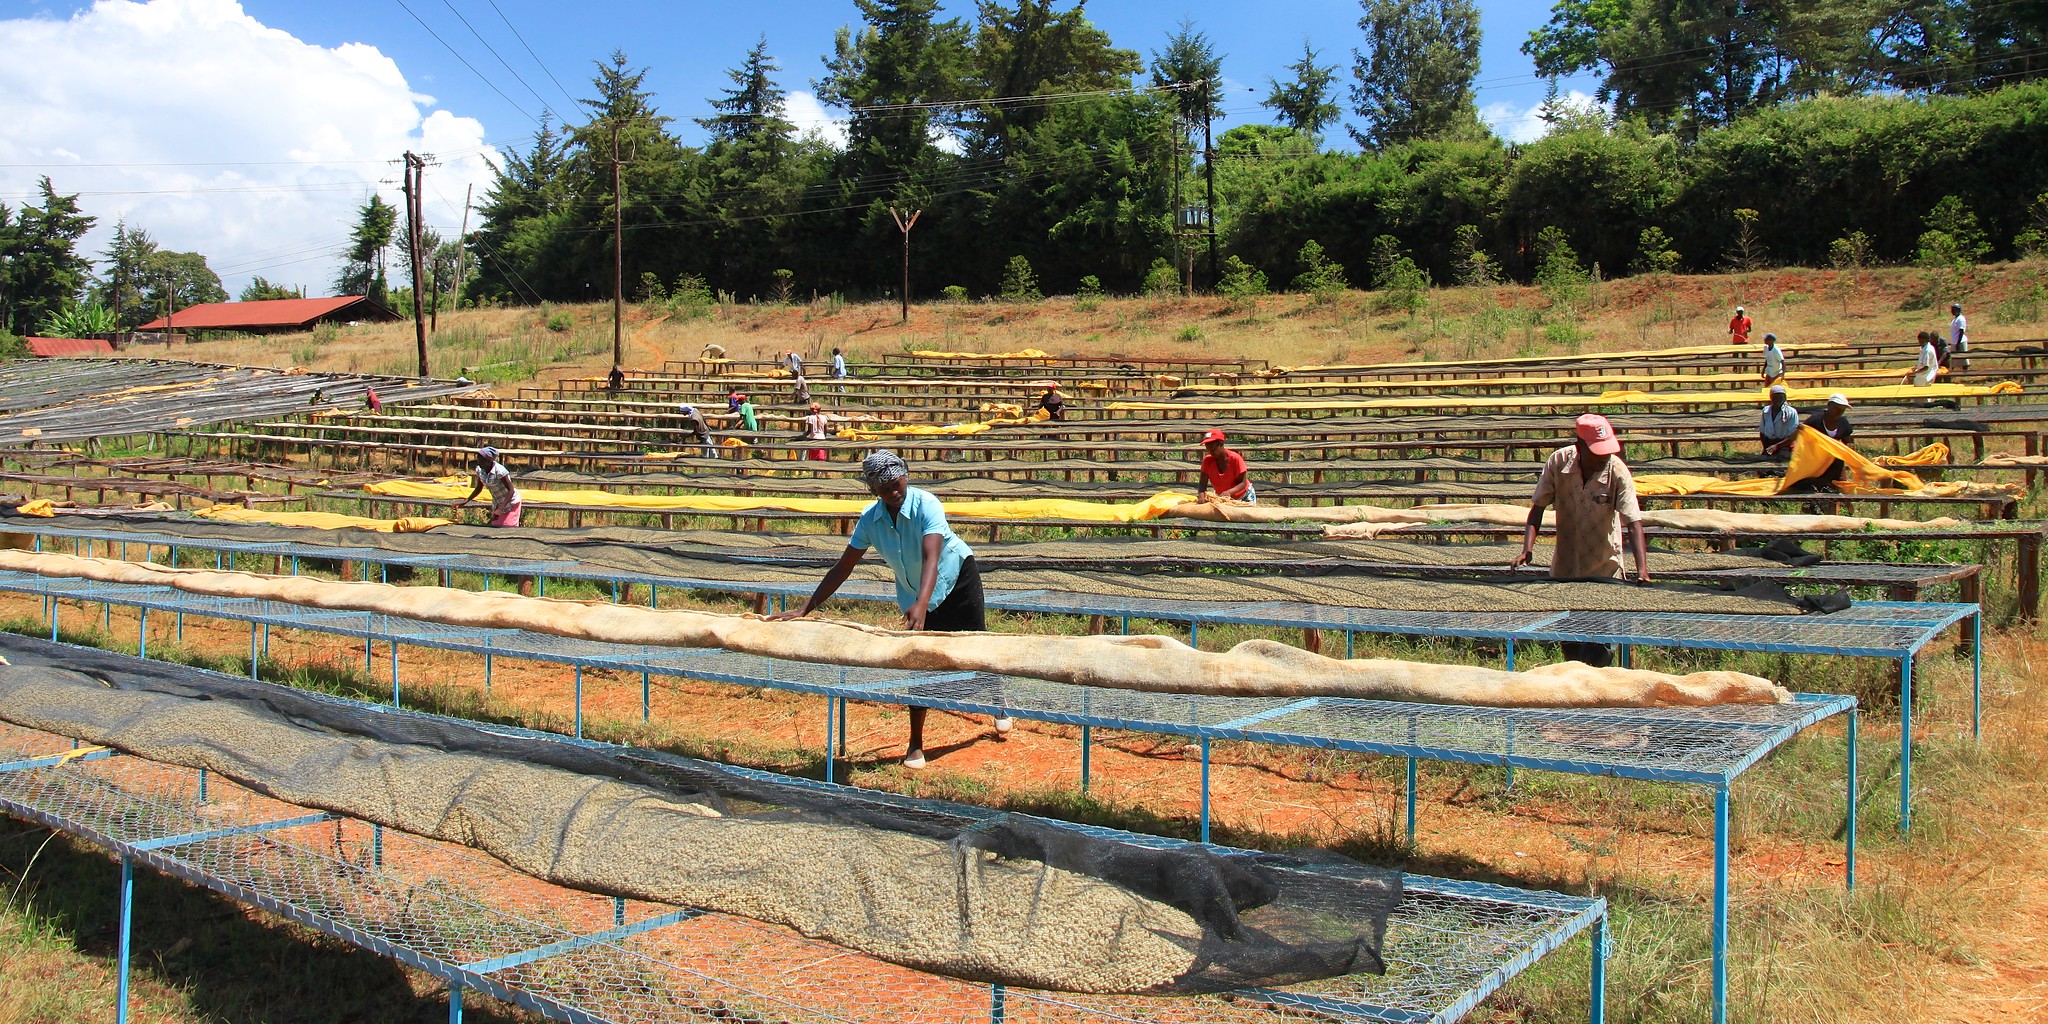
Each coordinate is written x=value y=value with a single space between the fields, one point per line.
x=1304 y=102
x=1191 y=64
x=45 y=273
x=362 y=271
x=753 y=110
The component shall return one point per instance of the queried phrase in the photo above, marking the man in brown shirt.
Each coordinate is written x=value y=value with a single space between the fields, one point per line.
x=1595 y=496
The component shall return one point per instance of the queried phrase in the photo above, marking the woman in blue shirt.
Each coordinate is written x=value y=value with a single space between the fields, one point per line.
x=937 y=585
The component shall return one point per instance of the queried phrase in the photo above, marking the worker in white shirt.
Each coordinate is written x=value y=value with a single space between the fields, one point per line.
x=1929 y=364
x=1774 y=360
x=1958 y=339
x=1780 y=424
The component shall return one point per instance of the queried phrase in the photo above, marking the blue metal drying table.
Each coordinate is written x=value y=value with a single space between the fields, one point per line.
x=1700 y=746
x=579 y=957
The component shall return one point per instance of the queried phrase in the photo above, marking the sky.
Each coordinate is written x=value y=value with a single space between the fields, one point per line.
x=251 y=130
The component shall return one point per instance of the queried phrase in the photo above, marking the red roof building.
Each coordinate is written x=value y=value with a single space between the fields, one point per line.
x=49 y=348
x=273 y=316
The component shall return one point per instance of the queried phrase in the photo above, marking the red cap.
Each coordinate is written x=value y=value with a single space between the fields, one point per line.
x=1598 y=434
x=1213 y=435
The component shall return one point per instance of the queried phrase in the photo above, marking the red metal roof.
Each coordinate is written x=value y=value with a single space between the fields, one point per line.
x=267 y=313
x=48 y=347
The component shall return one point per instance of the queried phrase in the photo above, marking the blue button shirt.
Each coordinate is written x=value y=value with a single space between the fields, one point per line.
x=899 y=539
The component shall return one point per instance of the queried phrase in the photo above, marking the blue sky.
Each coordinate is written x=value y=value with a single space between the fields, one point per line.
x=251 y=130
x=686 y=45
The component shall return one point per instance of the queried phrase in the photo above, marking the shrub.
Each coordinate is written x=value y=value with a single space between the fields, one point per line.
x=1320 y=275
x=1241 y=281
x=1654 y=254
x=1400 y=282
x=1964 y=243
x=1192 y=332
x=1474 y=268
x=1747 y=254
x=954 y=293
x=1020 y=283
x=1161 y=279
x=78 y=320
x=1560 y=276
x=560 y=322
x=690 y=296
x=1090 y=287
x=784 y=287
x=650 y=289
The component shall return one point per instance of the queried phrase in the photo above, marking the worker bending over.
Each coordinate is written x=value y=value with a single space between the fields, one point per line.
x=491 y=475
x=1595 y=496
x=938 y=586
x=1223 y=472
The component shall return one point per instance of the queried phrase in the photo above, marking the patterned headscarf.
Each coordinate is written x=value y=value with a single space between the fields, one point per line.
x=883 y=466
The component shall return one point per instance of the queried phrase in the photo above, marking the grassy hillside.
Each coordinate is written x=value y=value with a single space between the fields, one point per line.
x=518 y=344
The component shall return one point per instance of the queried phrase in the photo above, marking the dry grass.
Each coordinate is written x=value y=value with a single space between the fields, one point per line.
x=1458 y=323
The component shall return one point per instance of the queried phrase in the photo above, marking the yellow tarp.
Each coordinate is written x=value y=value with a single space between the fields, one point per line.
x=945 y=430
x=1935 y=454
x=1641 y=353
x=1029 y=353
x=1755 y=396
x=1734 y=381
x=41 y=507
x=1042 y=508
x=322 y=520
x=1812 y=453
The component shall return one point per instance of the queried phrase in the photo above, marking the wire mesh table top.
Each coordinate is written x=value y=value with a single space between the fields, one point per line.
x=1698 y=745
x=462 y=916
x=1869 y=629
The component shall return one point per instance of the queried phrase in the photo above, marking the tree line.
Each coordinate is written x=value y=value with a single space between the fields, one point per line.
x=1736 y=133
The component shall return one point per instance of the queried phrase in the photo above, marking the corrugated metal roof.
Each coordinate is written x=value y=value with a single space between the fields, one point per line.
x=267 y=313
x=51 y=347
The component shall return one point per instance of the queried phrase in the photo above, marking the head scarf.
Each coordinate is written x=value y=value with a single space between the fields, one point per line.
x=883 y=466
x=487 y=452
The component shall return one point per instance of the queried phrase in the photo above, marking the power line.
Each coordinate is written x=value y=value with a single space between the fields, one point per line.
x=500 y=57
x=465 y=62
x=530 y=53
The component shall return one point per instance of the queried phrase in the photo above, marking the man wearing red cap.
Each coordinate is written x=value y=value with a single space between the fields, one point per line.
x=1223 y=471
x=1595 y=495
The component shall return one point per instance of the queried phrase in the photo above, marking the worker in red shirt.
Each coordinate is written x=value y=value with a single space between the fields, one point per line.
x=1739 y=327
x=1223 y=472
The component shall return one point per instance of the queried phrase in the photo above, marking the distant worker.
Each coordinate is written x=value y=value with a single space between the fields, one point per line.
x=1928 y=366
x=795 y=363
x=801 y=392
x=1739 y=327
x=838 y=365
x=1774 y=360
x=1780 y=424
x=1958 y=339
x=817 y=427
x=1054 y=403
x=491 y=475
x=733 y=400
x=1595 y=495
x=712 y=351
x=371 y=401
x=1223 y=472
x=698 y=429
x=747 y=417
x=615 y=381
x=938 y=586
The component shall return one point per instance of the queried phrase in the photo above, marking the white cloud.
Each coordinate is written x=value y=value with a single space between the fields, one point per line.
x=220 y=135
x=809 y=115
x=1518 y=123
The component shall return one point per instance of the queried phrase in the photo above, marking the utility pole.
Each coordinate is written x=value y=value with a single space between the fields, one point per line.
x=170 y=305
x=1181 y=260
x=462 y=246
x=618 y=252
x=415 y=176
x=905 y=226
x=1209 y=172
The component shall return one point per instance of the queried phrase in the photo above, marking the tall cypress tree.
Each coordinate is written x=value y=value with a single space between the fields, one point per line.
x=45 y=273
x=1413 y=78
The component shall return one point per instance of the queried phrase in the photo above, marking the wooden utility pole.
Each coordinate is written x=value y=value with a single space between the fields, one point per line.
x=904 y=226
x=1209 y=172
x=462 y=246
x=415 y=176
x=1182 y=260
x=618 y=253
